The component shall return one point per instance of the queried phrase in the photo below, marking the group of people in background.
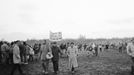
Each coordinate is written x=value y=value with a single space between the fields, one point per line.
x=16 y=53
x=19 y=52
x=6 y=52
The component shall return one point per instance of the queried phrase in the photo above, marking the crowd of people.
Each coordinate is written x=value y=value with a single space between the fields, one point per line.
x=19 y=52
x=6 y=52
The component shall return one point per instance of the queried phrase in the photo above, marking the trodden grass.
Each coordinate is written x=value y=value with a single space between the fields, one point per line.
x=107 y=63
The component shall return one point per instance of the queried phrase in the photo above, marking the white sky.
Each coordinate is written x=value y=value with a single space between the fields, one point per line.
x=22 y=19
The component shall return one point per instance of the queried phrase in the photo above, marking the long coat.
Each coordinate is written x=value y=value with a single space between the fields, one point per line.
x=44 y=50
x=16 y=54
x=72 y=54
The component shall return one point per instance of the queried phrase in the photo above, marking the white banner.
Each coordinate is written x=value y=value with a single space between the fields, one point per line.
x=56 y=36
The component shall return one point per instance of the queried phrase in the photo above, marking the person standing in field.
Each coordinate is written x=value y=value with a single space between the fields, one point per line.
x=4 y=51
x=130 y=52
x=72 y=53
x=1 y=43
x=43 y=52
x=94 y=49
x=36 y=49
x=23 y=56
x=16 y=59
x=55 y=60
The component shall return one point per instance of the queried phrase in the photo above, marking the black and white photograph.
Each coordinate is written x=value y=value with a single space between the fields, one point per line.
x=66 y=37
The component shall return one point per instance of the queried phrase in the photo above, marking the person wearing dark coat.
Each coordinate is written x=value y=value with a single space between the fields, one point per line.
x=0 y=51
x=55 y=60
x=22 y=48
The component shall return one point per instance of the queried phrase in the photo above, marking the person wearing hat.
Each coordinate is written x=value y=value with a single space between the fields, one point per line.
x=44 y=50
x=130 y=52
x=55 y=60
x=72 y=53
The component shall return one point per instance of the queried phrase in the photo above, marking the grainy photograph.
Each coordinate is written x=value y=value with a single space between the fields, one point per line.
x=66 y=37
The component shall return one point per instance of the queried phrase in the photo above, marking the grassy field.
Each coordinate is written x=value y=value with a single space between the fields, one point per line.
x=107 y=63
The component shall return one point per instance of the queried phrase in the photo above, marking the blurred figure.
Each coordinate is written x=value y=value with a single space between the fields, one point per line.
x=55 y=60
x=16 y=58
x=23 y=54
x=85 y=46
x=100 y=47
x=26 y=52
x=120 y=47
x=31 y=54
x=4 y=52
x=130 y=52
x=68 y=45
x=63 y=49
x=43 y=52
x=93 y=48
x=1 y=51
x=11 y=53
x=89 y=50
x=36 y=49
x=80 y=47
x=96 y=50
x=72 y=52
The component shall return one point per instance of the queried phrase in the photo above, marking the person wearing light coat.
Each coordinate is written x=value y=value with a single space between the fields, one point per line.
x=16 y=59
x=130 y=52
x=72 y=53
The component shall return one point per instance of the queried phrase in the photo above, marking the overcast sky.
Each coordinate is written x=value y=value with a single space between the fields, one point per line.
x=22 y=19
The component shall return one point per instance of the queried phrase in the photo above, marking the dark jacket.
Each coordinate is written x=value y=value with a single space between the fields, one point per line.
x=22 y=49
x=55 y=52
